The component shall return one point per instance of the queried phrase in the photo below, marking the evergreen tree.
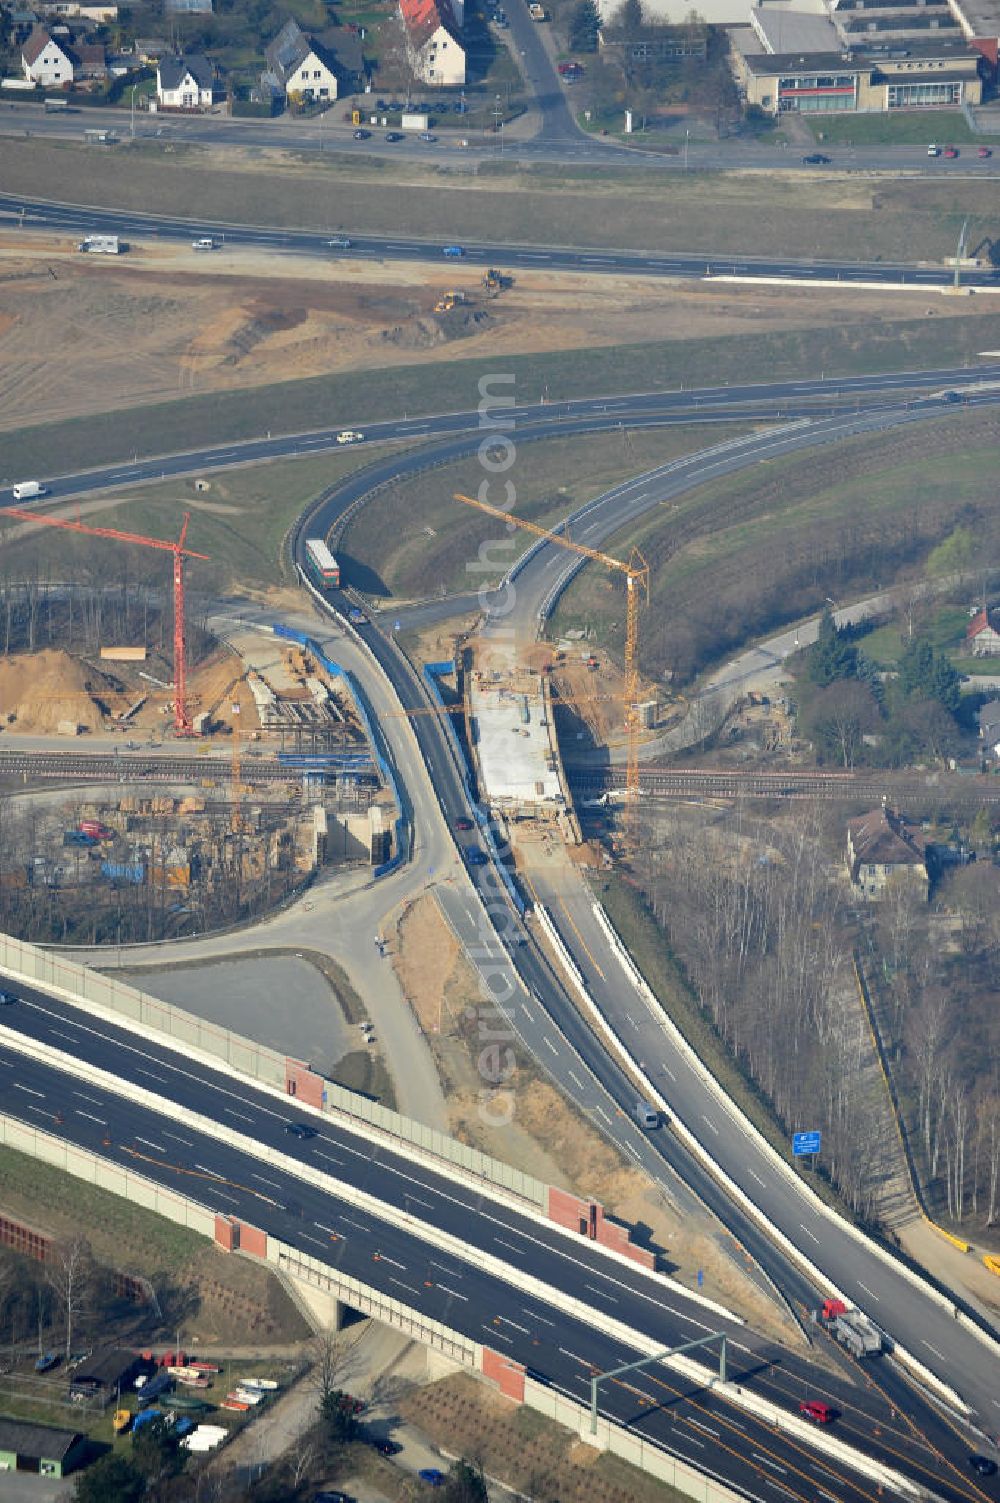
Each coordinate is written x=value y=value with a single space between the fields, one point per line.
x=832 y=656
x=584 y=24
x=926 y=674
x=466 y=1484
x=112 y=1479
x=629 y=17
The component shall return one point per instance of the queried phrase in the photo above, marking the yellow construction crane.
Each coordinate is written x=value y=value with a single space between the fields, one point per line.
x=636 y=572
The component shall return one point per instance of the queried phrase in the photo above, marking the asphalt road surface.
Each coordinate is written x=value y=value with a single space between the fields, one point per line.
x=79 y=221
x=405 y=1264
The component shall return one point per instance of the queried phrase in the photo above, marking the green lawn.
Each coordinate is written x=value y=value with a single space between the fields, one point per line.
x=946 y=127
x=240 y=522
x=414 y=539
x=944 y=628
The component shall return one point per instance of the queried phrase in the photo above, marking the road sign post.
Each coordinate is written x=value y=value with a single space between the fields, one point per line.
x=807 y=1145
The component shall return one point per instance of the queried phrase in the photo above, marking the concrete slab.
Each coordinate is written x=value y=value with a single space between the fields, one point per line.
x=240 y=994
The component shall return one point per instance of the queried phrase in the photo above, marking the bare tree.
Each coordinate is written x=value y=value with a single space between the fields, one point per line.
x=326 y=1353
x=70 y=1275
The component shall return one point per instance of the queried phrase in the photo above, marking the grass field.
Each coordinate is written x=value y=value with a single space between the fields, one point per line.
x=944 y=628
x=414 y=540
x=240 y=522
x=900 y=129
x=366 y=396
x=746 y=213
x=793 y=517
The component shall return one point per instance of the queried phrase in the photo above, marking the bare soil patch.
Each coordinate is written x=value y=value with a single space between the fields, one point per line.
x=148 y=327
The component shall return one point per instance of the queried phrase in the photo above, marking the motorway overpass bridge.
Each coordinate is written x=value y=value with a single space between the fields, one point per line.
x=527 y=1284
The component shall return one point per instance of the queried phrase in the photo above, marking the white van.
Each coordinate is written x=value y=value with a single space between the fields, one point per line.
x=28 y=490
x=204 y=244
x=647 y=1116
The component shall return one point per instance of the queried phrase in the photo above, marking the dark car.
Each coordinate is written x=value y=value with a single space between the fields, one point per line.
x=427 y=135
x=330 y=1496
x=463 y=823
x=6 y=998
x=386 y=1447
x=476 y=857
x=302 y=1129
x=951 y=151
x=816 y=159
x=432 y=1476
x=362 y=135
x=393 y=135
x=984 y=1465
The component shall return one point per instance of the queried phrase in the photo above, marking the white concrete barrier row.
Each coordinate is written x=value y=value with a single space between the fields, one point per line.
x=738 y=1193
x=446 y=1242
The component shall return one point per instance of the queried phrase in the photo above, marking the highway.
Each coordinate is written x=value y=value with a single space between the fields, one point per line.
x=78 y=221
x=291 y=1202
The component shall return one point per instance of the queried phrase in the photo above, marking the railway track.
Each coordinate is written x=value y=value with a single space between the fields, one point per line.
x=794 y=783
x=28 y=767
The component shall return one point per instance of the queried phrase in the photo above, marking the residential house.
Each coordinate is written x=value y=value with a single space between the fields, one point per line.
x=187 y=7
x=184 y=83
x=989 y=726
x=72 y=10
x=982 y=635
x=300 y=66
x=89 y=60
x=433 y=30
x=44 y=61
x=883 y=850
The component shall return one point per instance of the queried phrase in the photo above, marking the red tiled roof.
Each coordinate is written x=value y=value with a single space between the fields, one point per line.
x=35 y=45
x=422 y=18
x=980 y=622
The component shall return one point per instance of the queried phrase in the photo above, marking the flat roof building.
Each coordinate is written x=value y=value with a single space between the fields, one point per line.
x=934 y=74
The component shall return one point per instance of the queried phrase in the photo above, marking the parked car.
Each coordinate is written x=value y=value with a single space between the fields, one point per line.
x=339 y=242
x=349 y=436
x=427 y=135
x=933 y=151
x=816 y=159
x=432 y=1475
x=984 y=1465
x=475 y=857
x=393 y=135
x=386 y=1447
x=302 y=1129
x=356 y=617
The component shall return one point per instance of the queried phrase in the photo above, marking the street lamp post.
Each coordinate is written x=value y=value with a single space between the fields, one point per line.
x=687 y=142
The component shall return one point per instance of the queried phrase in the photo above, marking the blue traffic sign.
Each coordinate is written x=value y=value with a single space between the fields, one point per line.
x=806 y=1142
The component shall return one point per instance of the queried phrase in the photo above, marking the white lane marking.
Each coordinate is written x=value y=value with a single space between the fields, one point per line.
x=67 y=1036
x=400 y=1285
x=384 y=1258
x=868 y=1291
x=241 y=1115
x=705 y=1429
x=265 y=1181
x=498 y=1335
x=454 y=1293
x=84 y=1097
x=502 y=1243
x=27 y=1088
x=932 y=1349
x=506 y=1321
x=326 y=1229
x=667 y=1071
x=710 y=1124
x=186 y=1141
x=692 y=1438
x=575 y=1079
x=600 y=1112
x=766 y=1461
x=453 y=1273
x=755 y=1175
x=306 y=1237
x=319 y=1154
x=632 y=1151
x=603 y=1293
x=356 y=1224
x=158 y=1146
x=206 y=1170
x=809 y=1233
x=576 y=1357
x=534 y=1315
x=152 y=1074
x=529 y=1015
x=547 y=1041
x=407 y=1198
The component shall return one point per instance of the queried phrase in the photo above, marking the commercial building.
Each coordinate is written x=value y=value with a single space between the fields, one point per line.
x=942 y=73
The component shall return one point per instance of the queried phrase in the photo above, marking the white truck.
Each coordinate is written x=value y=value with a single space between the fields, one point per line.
x=102 y=245
x=28 y=490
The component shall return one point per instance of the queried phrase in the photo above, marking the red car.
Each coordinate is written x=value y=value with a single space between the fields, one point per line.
x=984 y=151
x=821 y=1413
x=463 y=823
x=951 y=151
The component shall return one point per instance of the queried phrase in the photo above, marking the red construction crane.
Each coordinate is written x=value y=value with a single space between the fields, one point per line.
x=182 y=720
